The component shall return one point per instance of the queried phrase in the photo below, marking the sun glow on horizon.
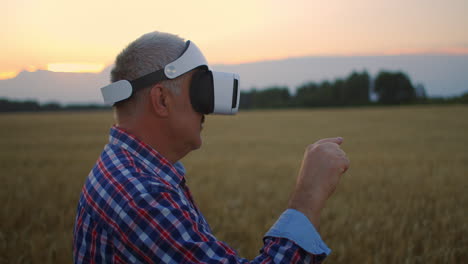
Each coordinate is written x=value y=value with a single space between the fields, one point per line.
x=76 y=67
x=8 y=75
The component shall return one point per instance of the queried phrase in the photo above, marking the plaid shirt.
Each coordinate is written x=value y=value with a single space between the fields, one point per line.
x=136 y=208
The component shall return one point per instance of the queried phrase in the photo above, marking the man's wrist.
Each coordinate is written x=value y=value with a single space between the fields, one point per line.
x=313 y=214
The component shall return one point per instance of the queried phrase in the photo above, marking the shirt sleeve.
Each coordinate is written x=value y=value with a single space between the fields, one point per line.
x=295 y=226
x=159 y=227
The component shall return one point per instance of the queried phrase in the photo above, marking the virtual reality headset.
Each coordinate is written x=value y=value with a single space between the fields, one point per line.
x=211 y=92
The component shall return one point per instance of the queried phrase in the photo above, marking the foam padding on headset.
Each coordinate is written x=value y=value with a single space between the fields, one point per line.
x=202 y=91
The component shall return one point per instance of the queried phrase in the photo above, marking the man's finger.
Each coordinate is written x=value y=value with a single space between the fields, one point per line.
x=346 y=165
x=337 y=140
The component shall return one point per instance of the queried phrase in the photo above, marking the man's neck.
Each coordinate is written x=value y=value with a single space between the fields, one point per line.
x=154 y=135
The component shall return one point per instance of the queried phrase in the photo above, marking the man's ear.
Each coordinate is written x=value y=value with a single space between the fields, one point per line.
x=159 y=98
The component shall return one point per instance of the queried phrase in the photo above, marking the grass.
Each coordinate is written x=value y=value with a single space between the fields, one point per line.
x=403 y=200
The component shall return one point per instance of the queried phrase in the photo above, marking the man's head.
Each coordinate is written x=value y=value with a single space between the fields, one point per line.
x=160 y=114
x=147 y=54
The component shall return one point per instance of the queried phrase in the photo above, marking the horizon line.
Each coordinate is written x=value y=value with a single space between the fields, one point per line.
x=460 y=52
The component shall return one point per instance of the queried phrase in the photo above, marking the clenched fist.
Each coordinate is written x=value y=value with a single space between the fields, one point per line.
x=323 y=164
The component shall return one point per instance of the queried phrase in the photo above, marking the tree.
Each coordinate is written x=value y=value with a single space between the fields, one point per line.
x=16 y=106
x=307 y=95
x=394 y=88
x=273 y=97
x=246 y=99
x=356 y=90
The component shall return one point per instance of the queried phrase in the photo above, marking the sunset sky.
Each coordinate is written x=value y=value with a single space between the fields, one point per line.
x=85 y=36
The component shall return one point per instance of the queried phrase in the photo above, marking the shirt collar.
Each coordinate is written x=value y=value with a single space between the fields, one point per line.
x=148 y=155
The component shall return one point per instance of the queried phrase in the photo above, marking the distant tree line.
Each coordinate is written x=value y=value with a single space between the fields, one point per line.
x=389 y=88
x=7 y=105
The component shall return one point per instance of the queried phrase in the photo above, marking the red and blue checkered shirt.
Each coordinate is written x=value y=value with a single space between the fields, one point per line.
x=136 y=208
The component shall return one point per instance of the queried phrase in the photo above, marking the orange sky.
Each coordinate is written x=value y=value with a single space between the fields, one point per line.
x=36 y=34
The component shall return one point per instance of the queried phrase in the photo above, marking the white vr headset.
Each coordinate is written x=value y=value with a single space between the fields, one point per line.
x=210 y=92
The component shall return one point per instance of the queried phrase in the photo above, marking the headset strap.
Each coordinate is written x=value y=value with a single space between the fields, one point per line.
x=149 y=79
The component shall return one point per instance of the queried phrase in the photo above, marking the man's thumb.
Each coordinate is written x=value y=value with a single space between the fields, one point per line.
x=337 y=140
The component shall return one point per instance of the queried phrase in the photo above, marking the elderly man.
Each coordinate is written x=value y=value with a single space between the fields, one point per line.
x=135 y=206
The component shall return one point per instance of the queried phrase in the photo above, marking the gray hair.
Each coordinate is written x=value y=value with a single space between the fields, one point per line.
x=147 y=54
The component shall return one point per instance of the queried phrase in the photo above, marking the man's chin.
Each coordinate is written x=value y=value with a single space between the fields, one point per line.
x=197 y=144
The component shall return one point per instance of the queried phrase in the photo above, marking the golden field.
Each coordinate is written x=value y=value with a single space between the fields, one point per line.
x=404 y=199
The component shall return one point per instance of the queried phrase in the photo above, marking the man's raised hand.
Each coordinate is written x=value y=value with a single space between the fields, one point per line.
x=323 y=164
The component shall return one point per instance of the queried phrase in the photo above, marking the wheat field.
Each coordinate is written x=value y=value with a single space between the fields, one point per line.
x=404 y=199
